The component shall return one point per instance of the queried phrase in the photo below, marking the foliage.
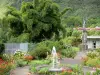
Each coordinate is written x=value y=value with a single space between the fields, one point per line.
x=6 y=67
x=50 y=44
x=69 y=31
x=29 y=24
x=20 y=59
x=92 y=59
x=44 y=69
x=92 y=62
x=75 y=48
x=97 y=72
x=88 y=73
x=65 y=73
x=94 y=21
x=79 y=7
x=76 y=33
x=65 y=41
x=2 y=36
x=68 y=52
x=25 y=37
x=36 y=63
x=19 y=54
x=92 y=54
x=31 y=46
x=92 y=32
x=73 y=21
x=7 y=57
x=21 y=63
x=85 y=59
x=77 y=69
x=40 y=51
x=98 y=50
x=2 y=47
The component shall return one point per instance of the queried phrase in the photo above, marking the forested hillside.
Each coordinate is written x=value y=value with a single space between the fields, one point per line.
x=88 y=8
x=5 y=3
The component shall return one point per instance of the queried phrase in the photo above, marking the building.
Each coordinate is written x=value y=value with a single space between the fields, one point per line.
x=93 y=42
x=12 y=47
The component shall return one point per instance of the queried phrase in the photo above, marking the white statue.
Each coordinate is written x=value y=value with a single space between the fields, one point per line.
x=54 y=51
x=54 y=57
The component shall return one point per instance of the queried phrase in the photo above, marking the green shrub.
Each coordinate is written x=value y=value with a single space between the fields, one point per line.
x=7 y=57
x=38 y=62
x=88 y=73
x=97 y=72
x=40 y=51
x=98 y=50
x=21 y=63
x=2 y=47
x=35 y=63
x=65 y=73
x=75 y=48
x=6 y=68
x=77 y=69
x=19 y=55
x=44 y=70
x=50 y=44
x=69 y=52
x=92 y=62
x=92 y=54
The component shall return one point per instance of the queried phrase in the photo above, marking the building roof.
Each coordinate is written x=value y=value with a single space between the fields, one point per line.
x=93 y=37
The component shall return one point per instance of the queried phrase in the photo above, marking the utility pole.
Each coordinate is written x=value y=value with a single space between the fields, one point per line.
x=84 y=36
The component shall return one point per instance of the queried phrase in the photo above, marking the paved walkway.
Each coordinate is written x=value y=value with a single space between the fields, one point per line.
x=21 y=71
x=80 y=54
x=71 y=61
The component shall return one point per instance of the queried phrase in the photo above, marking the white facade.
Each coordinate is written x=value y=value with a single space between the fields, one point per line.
x=12 y=47
x=93 y=42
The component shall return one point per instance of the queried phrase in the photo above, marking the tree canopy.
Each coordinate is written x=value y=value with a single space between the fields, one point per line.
x=36 y=21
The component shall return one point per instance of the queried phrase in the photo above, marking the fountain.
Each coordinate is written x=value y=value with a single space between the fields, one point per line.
x=55 y=62
x=54 y=67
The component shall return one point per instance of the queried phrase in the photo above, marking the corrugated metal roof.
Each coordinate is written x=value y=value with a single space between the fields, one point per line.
x=93 y=37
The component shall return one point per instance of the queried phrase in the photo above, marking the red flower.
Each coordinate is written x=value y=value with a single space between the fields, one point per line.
x=67 y=70
x=28 y=57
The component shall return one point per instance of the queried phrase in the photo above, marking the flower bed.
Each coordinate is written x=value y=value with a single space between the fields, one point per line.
x=5 y=67
x=92 y=59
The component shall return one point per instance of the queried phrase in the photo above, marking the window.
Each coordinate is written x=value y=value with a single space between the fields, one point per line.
x=94 y=44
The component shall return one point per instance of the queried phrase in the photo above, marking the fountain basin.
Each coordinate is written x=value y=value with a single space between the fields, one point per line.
x=55 y=69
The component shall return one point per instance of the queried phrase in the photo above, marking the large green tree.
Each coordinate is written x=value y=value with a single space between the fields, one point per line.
x=36 y=21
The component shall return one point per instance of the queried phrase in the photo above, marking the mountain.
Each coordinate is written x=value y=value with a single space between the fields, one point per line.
x=83 y=8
